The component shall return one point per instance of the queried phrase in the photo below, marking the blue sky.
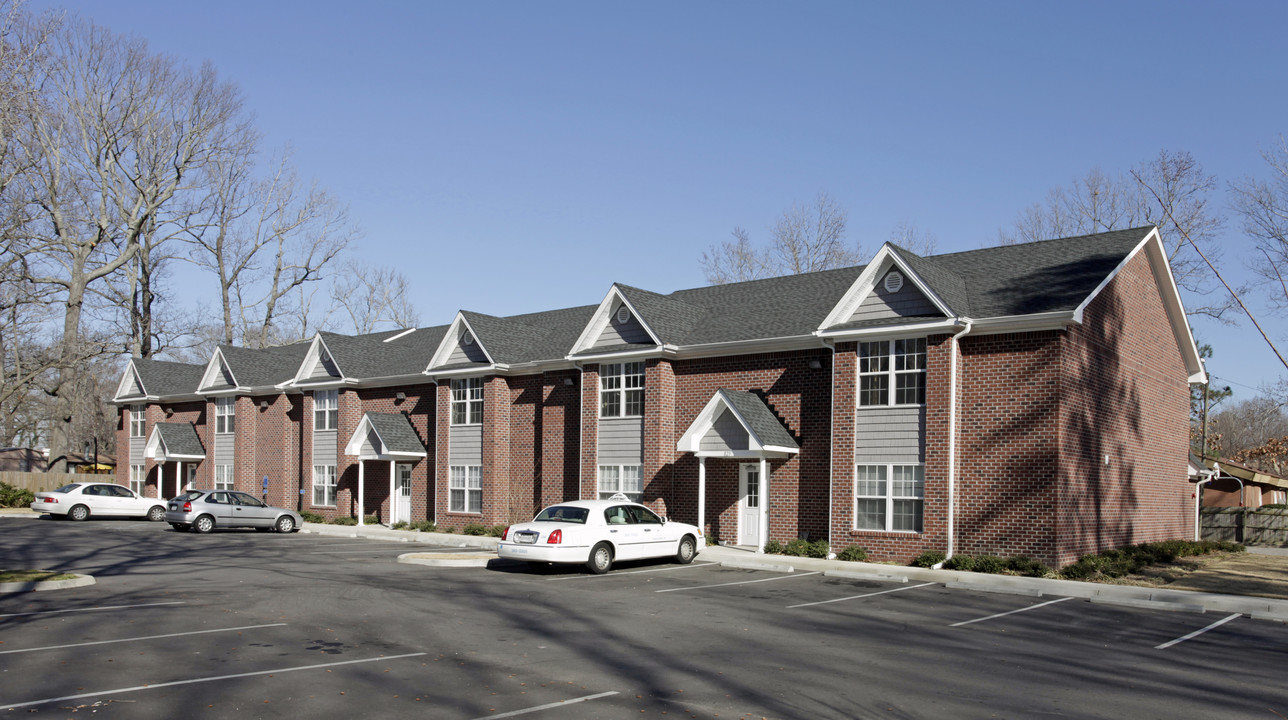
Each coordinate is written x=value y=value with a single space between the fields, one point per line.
x=511 y=157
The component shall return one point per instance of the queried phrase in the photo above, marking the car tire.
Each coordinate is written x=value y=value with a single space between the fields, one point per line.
x=78 y=513
x=156 y=514
x=203 y=524
x=687 y=551
x=285 y=524
x=601 y=558
x=179 y=526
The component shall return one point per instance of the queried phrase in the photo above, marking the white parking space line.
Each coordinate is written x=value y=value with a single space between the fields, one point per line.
x=1197 y=633
x=857 y=597
x=105 y=607
x=627 y=572
x=215 y=678
x=144 y=637
x=742 y=582
x=547 y=706
x=1010 y=612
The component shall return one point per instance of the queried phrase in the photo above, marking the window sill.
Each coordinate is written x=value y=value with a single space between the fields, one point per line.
x=465 y=512
x=885 y=533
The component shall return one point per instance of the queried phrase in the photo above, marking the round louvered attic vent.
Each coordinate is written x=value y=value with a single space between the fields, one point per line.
x=623 y=314
x=893 y=281
x=467 y=339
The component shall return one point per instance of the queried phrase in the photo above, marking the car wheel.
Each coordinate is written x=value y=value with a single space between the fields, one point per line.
x=178 y=526
x=78 y=512
x=285 y=524
x=156 y=514
x=204 y=524
x=601 y=558
x=687 y=550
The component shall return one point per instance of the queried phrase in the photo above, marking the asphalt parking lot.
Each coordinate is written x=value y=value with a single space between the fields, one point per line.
x=241 y=624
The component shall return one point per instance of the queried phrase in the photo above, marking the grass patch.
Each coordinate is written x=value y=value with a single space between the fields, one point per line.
x=9 y=576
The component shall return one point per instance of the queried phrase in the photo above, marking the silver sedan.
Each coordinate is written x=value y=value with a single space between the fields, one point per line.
x=205 y=510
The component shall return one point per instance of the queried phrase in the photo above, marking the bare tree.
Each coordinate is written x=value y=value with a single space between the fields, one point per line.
x=1170 y=190
x=1262 y=204
x=1248 y=424
x=120 y=133
x=805 y=238
x=910 y=237
x=371 y=297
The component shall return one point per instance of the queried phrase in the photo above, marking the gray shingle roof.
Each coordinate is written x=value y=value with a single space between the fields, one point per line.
x=396 y=432
x=180 y=439
x=264 y=367
x=162 y=377
x=759 y=418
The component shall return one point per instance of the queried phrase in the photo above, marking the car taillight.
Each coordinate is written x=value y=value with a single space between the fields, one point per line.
x=505 y=535
x=187 y=507
x=51 y=500
x=555 y=538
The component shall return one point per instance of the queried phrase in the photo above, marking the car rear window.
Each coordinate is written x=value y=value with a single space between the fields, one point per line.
x=563 y=513
x=67 y=488
x=190 y=495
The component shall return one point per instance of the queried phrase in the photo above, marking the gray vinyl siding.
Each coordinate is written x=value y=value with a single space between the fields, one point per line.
x=324 y=451
x=224 y=378
x=881 y=303
x=465 y=445
x=324 y=369
x=132 y=388
x=630 y=331
x=369 y=444
x=467 y=353
x=225 y=444
x=621 y=441
x=890 y=435
x=137 y=447
x=726 y=434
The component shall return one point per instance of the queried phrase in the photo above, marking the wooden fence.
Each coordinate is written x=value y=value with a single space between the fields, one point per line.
x=36 y=482
x=1267 y=527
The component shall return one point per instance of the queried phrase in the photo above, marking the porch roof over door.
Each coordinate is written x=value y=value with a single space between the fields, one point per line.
x=737 y=424
x=174 y=441
x=385 y=436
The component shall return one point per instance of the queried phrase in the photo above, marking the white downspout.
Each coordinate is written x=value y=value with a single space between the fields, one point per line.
x=361 y=491
x=1198 y=500
x=831 y=451
x=952 y=439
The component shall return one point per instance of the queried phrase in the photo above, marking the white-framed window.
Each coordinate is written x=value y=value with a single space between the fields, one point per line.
x=467 y=401
x=892 y=372
x=625 y=479
x=138 y=421
x=138 y=475
x=621 y=389
x=223 y=477
x=326 y=409
x=324 y=485
x=465 y=489
x=225 y=415
x=889 y=497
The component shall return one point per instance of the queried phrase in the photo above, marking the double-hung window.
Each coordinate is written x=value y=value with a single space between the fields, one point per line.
x=621 y=390
x=137 y=476
x=326 y=409
x=889 y=497
x=892 y=372
x=137 y=421
x=225 y=415
x=465 y=489
x=223 y=477
x=467 y=401
x=625 y=479
x=324 y=485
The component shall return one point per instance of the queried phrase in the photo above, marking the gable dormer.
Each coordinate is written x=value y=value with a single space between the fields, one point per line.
x=460 y=347
x=218 y=374
x=319 y=364
x=616 y=322
x=888 y=289
x=131 y=385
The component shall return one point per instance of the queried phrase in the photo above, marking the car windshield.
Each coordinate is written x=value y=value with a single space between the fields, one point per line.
x=563 y=513
x=67 y=488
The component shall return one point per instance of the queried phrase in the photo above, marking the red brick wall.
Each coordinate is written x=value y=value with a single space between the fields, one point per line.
x=1126 y=397
x=559 y=464
x=418 y=406
x=442 y=423
x=589 y=468
x=660 y=437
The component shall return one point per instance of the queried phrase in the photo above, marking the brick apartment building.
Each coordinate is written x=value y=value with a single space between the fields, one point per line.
x=1028 y=399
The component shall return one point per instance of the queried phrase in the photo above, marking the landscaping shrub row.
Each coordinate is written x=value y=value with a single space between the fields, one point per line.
x=12 y=496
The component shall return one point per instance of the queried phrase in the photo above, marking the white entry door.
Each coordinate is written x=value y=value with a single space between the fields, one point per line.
x=749 y=504
x=190 y=481
x=402 y=495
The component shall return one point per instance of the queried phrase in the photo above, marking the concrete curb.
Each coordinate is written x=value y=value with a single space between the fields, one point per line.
x=43 y=585
x=26 y=513
x=448 y=559
x=379 y=532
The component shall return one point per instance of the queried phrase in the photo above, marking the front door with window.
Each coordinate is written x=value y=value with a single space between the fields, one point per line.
x=190 y=481
x=749 y=504
x=402 y=495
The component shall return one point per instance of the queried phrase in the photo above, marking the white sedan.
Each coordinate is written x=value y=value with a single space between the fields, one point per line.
x=79 y=501
x=598 y=532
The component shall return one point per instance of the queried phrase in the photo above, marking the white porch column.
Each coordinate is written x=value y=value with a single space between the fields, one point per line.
x=178 y=479
x=764 y=505
x=160 y=478
x=393 y=508
x=702 y=494
x=361 y=488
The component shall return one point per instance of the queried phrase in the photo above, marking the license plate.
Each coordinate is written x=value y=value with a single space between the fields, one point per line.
x=525 y=538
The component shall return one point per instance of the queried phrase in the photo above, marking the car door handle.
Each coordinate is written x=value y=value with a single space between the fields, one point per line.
x=612 y=531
